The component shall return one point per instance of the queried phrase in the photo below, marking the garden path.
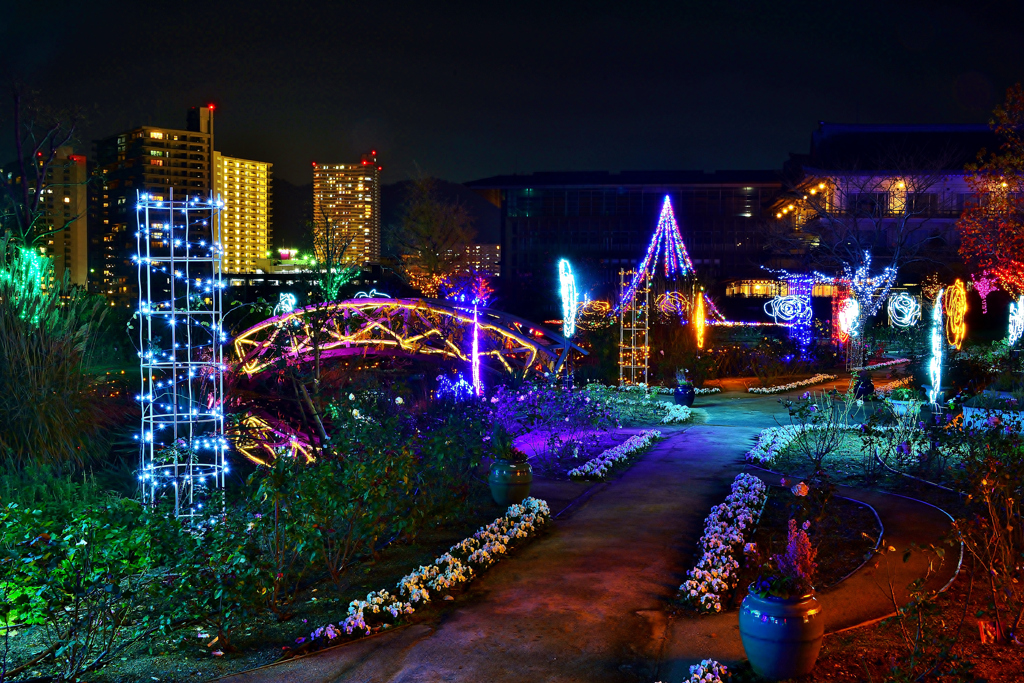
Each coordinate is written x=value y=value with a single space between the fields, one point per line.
x=586 y=601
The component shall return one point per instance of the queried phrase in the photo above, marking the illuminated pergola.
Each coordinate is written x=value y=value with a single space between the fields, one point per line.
x=380 y=326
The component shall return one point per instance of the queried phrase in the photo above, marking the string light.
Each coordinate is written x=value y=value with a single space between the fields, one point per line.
x=870 y=291
x=455 y=388
x=671 y=303
x=849 y=312
x=801 y=287
x=667 y=246
x=372 y=294
x=699 y=320
x=789 y=309
x=569 y=298
x=956 y=307
x=285 y=304
x=904 y=310
x=984 y=285
x=935 y=364
x=1016 y=320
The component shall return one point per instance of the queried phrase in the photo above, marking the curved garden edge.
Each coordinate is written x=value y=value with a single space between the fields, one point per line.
x=831 y=590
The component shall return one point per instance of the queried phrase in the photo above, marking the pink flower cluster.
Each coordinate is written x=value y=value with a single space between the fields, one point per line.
x=716 y=572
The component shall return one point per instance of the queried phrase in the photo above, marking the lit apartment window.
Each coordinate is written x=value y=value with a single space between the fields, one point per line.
x=156 y=135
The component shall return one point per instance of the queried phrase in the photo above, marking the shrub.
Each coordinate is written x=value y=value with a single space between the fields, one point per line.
x=89 y=584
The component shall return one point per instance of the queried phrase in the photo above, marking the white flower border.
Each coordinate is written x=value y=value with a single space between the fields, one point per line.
x=817 y=379
x=455 y=567
x=716 y=572
x=673 y=414
x=600 y=466
x=875 y=366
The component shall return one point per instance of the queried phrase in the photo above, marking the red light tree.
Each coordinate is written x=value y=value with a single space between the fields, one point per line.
x=992 y=225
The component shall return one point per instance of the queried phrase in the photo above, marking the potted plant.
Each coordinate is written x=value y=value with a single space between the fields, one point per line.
x=684 y=393
x=781 y=625
x=864 y=387
x=903 y=400
x=510 y=476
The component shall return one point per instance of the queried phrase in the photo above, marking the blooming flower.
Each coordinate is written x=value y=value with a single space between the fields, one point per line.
x=800 y=489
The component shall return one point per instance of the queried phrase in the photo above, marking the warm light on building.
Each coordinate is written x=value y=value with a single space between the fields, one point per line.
x=245 y=229
x=346 y=201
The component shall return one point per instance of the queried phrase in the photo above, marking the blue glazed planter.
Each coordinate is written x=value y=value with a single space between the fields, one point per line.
x=509 y=481
x=684 y=396
x=782 y=637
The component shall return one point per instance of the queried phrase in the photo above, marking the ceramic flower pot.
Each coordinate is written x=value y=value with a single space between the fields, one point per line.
x=684 y=396
x=509 y=481
x=782 y=637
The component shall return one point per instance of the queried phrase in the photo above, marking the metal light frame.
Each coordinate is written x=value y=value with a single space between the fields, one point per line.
x=182 y=444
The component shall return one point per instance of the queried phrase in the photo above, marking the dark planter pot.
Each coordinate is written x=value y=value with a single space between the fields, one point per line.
x=782 y=637
x=864 y=388
x=684 y=396
x=509 y=481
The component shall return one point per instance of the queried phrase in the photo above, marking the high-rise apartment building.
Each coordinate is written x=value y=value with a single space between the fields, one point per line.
x=244 y=187
x=346 y=210
x=63 y=224
x=157 y=161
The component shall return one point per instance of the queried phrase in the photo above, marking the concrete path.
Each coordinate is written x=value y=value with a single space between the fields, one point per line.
x=587 y=601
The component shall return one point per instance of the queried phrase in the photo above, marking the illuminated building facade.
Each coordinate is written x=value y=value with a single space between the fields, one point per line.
x=887 y=189
x=346 y=209
x=245 y=221
x=64 y=219
x=156 y=161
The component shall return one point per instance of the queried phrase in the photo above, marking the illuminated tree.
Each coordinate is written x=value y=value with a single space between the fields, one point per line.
x=330 y=246
x=992 y=225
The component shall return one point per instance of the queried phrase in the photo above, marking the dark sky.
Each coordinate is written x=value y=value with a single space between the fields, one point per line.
x=464 y=91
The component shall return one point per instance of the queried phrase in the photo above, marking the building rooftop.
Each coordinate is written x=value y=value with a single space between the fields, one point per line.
x=852 y=147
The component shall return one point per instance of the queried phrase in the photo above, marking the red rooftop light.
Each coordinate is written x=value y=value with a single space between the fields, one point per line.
x=211 y=107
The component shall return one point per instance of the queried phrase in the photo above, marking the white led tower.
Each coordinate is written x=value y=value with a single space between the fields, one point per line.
x=182 y=443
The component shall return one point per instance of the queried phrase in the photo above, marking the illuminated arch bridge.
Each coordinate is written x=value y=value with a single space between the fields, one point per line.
x=374 y=327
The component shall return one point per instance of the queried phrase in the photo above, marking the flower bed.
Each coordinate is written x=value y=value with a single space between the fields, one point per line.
x=716 y=572
x=638 y=404
x=885 y=364
x=887 y=388
x=771 y=442
x=703 y=391
x=817 y=379
x=455 y=567
x=676 y=414
x=599 y=467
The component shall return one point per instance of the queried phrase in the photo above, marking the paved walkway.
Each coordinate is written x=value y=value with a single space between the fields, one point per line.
x=587 y=601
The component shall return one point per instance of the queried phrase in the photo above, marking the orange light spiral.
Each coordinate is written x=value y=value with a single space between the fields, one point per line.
x=956 y=307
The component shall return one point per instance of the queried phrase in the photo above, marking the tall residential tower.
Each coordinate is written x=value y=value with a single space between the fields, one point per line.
x=346 y=209
x=156 y=161
x=244 y=187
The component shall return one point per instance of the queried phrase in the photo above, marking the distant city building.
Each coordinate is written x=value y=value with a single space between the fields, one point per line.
x=157 y=161
x=603 y=222
x=245 y=219
x=482 y=258
x=346 y=209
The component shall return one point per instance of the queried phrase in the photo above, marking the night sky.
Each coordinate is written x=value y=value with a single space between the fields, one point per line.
x=465 y=91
